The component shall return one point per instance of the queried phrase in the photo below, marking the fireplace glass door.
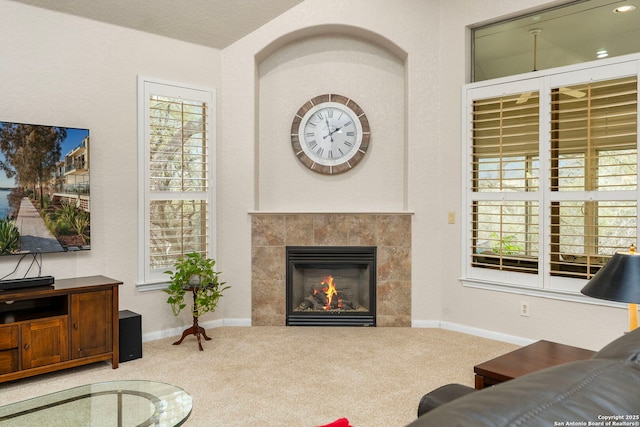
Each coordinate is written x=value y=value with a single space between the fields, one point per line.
x=331 y=285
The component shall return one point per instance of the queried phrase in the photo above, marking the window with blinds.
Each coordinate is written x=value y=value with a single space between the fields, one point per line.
x=177 y=168
x=593 y=173
x=585 y=234
x=505 y=150
x=552 y=175
x=177 y=160
x=505 y=235
x=177 y=144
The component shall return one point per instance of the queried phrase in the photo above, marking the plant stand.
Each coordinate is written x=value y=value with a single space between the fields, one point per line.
x=195 y=329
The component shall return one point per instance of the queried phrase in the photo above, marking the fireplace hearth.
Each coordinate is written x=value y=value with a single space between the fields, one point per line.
x=331 y=286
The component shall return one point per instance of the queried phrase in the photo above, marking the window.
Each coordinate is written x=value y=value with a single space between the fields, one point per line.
x=505 y=162
x=551 y=188
x=593 y=156
x=575 y=32
x=176 y=163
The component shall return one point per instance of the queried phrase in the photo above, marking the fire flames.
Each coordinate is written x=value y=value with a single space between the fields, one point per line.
x=329 y=289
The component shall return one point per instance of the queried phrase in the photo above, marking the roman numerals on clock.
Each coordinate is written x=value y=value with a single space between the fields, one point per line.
x=328 y=134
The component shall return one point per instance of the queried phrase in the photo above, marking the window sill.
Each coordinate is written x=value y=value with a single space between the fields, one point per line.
x=151 y=286
x=537 y=292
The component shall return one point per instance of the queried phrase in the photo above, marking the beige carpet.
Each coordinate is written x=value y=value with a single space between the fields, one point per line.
x=295 y=376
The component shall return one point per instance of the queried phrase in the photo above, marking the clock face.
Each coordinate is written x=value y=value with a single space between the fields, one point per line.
x=330 y=134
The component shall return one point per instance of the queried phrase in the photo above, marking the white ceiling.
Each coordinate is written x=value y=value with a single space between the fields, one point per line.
x=213 y=23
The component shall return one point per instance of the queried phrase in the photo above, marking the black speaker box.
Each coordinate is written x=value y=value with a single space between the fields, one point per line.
x=130 y=336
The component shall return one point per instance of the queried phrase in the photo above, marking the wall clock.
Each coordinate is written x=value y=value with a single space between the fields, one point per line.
x=330 y=134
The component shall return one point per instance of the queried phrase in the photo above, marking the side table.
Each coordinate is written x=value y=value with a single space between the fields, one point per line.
x=534 y=357
x=196 y=329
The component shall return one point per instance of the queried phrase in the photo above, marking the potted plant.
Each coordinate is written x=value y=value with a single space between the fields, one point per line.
x=195 y=273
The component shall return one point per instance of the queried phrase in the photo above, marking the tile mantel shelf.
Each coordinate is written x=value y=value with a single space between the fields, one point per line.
x=330 y=213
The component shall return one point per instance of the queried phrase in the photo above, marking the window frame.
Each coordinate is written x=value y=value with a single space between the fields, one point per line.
x=542 y=283
x=155 y=279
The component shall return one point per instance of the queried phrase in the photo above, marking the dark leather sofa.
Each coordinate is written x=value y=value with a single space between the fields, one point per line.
x=604 y=390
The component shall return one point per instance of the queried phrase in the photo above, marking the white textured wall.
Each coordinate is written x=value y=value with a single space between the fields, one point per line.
x=577 y=324
x=62 y=70
x=434 y=36
x=359 y=69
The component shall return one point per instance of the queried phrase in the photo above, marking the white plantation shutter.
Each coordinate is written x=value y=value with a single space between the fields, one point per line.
x=585 y=234
x=551 y=175
x=593 y=166
x=178 y=186
x=505 y=179
x=505 y=235
x=505 y=143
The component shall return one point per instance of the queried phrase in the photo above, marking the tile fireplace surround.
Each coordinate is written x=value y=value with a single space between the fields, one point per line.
x=272 y=232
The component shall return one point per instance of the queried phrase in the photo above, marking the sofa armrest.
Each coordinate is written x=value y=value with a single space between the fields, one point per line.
x=581 y=390
x=442 y=395
x=627 y=347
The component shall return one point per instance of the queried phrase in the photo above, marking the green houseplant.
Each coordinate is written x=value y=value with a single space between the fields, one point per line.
x=9 y=237
x=194 y=273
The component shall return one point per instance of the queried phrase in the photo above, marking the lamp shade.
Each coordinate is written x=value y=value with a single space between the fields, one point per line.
x=618 y=280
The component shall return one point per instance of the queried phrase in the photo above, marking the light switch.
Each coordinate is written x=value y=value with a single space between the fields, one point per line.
x=451 y=218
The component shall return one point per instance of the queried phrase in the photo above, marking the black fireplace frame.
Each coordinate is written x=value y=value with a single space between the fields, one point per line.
x=331 y=257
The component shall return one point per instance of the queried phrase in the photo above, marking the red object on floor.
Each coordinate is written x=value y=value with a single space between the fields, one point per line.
x=342 y=422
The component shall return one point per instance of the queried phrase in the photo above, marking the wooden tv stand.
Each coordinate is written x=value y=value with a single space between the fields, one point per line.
x=70 y=323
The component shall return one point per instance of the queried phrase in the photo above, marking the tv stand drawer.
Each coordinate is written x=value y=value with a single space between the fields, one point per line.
x=8 y=337
x=8 y=361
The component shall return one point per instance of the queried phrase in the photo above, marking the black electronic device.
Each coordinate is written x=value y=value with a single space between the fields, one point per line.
x=130 y=335
x=26 y=282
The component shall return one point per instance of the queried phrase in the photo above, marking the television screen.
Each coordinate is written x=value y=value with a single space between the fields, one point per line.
x=44 y=189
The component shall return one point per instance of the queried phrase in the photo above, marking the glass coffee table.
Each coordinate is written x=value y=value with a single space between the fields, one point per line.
x=114 y=403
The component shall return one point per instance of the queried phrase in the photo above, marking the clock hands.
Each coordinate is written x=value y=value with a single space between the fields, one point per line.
x=331 y=132
x=326 y=120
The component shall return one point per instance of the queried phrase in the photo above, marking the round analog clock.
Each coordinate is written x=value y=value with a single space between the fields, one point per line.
x=330 y=134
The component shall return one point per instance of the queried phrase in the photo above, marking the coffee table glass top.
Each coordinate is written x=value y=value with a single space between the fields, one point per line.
x=114 y=403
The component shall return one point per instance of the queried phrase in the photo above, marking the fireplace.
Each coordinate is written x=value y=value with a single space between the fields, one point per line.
x=331 y=286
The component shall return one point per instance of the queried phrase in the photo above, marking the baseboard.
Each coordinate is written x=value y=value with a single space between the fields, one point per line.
x=166 y=333
x=237 y=322
x=434 y=324
x=484 y=333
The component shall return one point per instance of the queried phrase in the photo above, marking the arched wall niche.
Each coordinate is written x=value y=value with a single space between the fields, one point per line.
x=351 y=61
x=327 y=29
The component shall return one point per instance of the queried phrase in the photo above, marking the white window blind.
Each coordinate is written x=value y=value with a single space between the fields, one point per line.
x=552 y=170
x=593 y=157
x=505 y=235
x=177 y=158
x=505 y=133
x=585 y=234
x=505 y=143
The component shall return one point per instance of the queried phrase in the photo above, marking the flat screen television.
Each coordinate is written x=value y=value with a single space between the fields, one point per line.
x=44 y=189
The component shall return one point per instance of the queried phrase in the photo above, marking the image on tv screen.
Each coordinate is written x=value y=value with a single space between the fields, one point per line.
x=44 y=189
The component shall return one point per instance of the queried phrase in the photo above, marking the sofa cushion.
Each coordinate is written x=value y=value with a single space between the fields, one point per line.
x=580 y=391
x=627 y=347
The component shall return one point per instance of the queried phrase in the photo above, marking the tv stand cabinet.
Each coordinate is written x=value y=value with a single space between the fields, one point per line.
x=70 y=323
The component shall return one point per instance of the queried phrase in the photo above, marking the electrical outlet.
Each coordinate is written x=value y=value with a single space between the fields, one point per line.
x=451 y=217
x=524 y=309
